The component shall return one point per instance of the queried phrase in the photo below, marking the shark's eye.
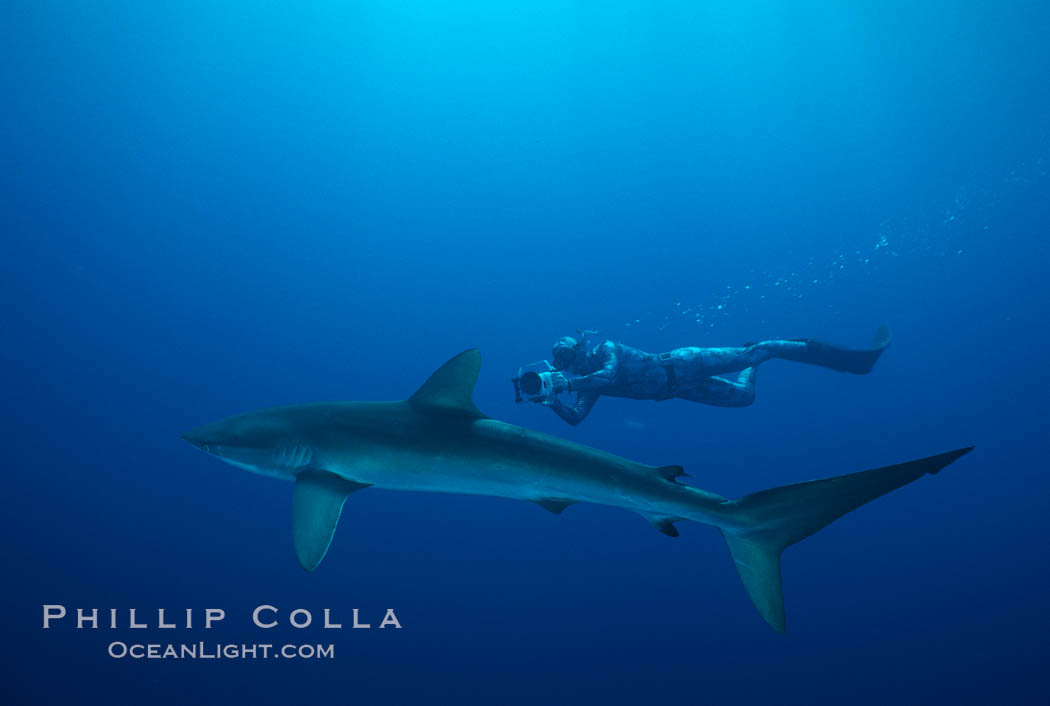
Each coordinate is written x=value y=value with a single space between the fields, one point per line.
x=205 y=448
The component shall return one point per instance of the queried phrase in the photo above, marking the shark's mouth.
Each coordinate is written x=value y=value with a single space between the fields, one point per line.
x=284 y=461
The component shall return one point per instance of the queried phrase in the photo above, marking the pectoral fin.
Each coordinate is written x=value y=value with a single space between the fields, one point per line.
x=316 y=506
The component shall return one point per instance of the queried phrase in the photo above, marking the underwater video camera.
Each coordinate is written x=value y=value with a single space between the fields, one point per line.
x=534 y=382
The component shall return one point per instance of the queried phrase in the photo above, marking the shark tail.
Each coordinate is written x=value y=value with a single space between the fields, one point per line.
x=772 y=520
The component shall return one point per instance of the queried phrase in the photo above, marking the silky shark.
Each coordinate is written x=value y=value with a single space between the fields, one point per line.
x=438 y=441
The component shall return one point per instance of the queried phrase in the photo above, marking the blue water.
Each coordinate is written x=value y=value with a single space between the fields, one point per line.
x=213 y=207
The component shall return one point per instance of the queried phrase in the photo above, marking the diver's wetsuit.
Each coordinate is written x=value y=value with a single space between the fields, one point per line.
x=693 y=373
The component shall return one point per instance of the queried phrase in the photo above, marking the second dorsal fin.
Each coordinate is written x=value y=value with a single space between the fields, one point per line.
x=670 y=473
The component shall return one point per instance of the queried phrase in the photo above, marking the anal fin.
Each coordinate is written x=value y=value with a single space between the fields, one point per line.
x=555 y=505
x=664 y=523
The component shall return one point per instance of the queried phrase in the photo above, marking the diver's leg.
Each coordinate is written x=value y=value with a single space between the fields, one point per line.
x=693 y=363
x=719 y=361
x=748 y=377
x=716 y=361
x=721 y=392
x=829 y=355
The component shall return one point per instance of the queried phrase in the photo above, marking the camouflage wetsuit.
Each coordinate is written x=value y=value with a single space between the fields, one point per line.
x=691 y=373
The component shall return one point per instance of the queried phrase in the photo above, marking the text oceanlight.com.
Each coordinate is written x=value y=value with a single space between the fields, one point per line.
x=202 y=650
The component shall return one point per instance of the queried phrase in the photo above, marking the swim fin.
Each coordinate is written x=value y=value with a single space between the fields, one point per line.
x=835 y=357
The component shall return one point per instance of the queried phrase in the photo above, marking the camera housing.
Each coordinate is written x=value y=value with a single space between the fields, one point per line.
x=534 y=385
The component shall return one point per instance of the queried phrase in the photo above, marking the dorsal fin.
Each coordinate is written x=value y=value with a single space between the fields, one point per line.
x=451 y=387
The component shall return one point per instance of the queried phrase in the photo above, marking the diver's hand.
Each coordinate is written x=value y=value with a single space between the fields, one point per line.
x=543 y=401
x=559 y=382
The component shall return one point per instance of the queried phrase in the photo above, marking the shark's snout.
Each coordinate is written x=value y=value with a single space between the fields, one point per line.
x=238 y=436
x=200 y=438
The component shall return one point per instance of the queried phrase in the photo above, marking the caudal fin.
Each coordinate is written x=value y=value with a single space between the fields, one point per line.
x=772 y=520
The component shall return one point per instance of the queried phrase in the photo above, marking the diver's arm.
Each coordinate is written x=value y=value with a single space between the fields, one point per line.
x=575 y=414
x=601 y=378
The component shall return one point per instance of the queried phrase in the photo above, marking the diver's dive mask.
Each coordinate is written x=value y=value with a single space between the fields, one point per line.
x=567 y=351
x=564 y=358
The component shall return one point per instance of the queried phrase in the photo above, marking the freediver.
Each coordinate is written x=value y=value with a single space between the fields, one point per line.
x=691 y=373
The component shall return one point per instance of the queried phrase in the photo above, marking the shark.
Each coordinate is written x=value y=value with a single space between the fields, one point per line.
x=438 y=441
